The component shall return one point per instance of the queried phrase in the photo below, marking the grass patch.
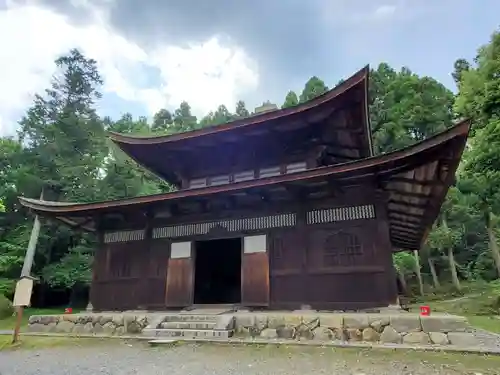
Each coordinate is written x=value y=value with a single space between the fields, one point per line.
x=10 y=322
x=478 y=301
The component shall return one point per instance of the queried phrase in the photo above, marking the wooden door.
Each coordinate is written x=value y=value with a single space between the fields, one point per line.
x=179 y=289
x=255 y=271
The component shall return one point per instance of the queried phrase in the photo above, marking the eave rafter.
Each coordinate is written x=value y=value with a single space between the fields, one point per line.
x=414 y=180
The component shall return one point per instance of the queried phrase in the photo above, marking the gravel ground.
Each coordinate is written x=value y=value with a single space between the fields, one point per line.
x=137 y=358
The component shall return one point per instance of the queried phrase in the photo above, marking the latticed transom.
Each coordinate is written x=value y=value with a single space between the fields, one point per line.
x=330 y=215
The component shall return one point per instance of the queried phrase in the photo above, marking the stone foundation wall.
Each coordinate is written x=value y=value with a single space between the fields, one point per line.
x=411 y=329
x=87 y=324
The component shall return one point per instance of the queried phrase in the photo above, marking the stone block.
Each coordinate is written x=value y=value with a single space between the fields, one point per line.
x=390 y=335
x=105 y=319
x=224 y=322
x=97 y=328
x=286 y=332
x=109 y=328
x=293 y=320
x=378 y=321
x=79 y=329
x=64 y=326
x=84 y=319
x=36 y=327
x=421 y=338
x=46 y=319
x=244 y=321
x=276 y=321
x=340 y=334
x=52 y=327
x=356 y=321
x=88 y=328
x=134 y=327
x=269 y=333
x=305 y=332
x=369 y=334
x=120 y=331
x=70 y=318
x=118 y=320
x=260 y=322
x=444 y=323
x=439 y=338
x=323 y=334
x=463 y=339
x=354 y=334
x=331 y=320
x=406 y=323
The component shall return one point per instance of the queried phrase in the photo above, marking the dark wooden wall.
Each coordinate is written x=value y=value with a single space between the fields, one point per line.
x=331 y=267
x=130 y=275
x=345 y=264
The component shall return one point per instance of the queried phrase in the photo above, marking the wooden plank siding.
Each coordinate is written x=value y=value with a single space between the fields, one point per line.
x=345 y=264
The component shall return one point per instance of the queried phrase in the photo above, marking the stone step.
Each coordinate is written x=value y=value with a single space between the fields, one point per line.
x=192 y=324
x=190 y=317
x=187 y=333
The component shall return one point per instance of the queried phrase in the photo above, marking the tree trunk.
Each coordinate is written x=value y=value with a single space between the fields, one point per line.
x=453 y=268
x=435 y=279
x=493 y=241
x=402 y=281
x=417 y=270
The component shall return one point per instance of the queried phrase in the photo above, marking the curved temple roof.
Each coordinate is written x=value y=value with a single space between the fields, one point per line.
x=163 y=155
x=416 y=180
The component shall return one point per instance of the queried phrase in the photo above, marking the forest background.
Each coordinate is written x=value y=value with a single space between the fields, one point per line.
x=61 y=146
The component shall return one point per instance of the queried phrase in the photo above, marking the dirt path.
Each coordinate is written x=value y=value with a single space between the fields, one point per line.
x=136 y=358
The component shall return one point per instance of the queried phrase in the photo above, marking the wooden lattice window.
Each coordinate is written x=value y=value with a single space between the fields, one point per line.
x=342 y=249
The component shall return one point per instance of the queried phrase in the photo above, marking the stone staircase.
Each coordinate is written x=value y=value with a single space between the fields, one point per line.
x=191 y=326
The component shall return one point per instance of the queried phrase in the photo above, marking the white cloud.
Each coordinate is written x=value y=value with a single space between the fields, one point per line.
x=384 y=11
x=204 y=74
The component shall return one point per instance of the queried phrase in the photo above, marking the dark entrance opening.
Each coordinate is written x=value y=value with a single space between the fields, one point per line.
x=217 y=277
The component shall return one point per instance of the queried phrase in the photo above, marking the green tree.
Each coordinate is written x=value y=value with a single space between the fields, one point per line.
x=291 y=100
x=314 y=87
x=241 y=110
x=459 y=67
x=162 y=121
x=183 y=119
x=478 y=99
x=406 y=108
x=405 y=265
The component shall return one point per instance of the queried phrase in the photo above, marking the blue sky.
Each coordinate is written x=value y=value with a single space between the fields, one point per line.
x=153 y=53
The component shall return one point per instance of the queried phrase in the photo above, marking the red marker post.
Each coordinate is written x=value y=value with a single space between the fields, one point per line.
x=425 y=310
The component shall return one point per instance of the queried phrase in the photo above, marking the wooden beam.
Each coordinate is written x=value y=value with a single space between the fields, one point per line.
x=404 y=224
x=407 y=204
x=407 y=193
x=396 y=228
x=412 y=181
x=340 y=156
x=404 y=213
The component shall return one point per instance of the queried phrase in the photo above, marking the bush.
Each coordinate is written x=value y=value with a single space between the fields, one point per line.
x=6 y=308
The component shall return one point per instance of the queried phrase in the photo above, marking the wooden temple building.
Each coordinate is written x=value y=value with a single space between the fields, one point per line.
x=280 y=210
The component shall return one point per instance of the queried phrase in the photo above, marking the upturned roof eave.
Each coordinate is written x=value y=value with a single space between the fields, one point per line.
x=359 y=77
x=353 y=167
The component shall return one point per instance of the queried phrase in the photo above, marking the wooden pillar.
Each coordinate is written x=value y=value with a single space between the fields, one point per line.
x=147 y=260
x=255 y=271
x=385 y=247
